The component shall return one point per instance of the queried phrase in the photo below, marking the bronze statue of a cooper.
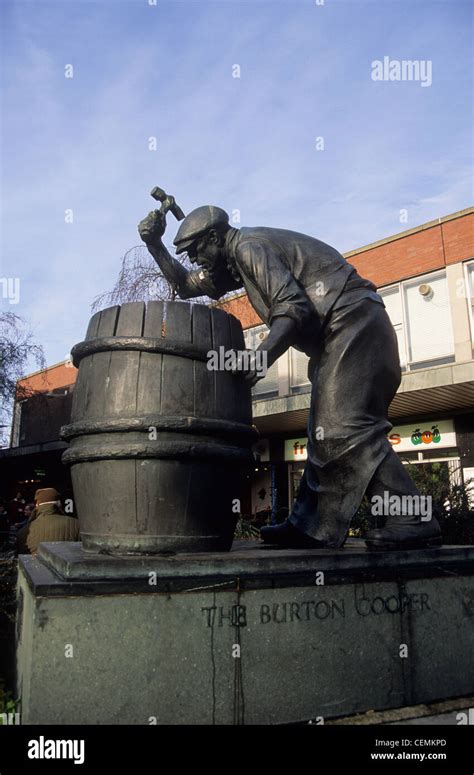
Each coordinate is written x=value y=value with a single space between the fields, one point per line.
x=312 y=299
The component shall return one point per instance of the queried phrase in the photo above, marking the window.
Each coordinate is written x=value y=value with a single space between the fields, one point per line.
x=269 y=384
x=298 y=371
x=393 y=302
x=421 y=316
x=469 y=279
x=428 y=319
x=16 y=424
x=292 y=366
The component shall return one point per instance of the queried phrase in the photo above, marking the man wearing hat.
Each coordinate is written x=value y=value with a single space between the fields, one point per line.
x=312 y=299
x=48 y=523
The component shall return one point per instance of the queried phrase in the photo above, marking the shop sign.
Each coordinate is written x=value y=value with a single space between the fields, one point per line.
x=421 y=436
x=413 y=437
x=296 y=449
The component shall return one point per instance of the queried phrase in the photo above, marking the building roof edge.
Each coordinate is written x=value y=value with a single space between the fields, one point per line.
x=408 y=232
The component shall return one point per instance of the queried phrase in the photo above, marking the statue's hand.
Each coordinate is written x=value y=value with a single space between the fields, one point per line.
x=253 y=370
x=152 y=228
x=252 y=377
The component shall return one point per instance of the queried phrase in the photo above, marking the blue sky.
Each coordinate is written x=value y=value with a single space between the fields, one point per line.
x=243 y=143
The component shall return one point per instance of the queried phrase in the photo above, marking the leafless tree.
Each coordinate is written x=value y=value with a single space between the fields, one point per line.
x=140 y=280
x=17 y=349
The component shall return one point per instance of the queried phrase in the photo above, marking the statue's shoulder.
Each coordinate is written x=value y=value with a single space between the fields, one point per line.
x=265 y=232
x=278 y=238
x=284 y=240
x=274 y=235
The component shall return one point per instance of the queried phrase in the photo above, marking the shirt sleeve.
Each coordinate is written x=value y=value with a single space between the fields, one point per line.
x=262 y=264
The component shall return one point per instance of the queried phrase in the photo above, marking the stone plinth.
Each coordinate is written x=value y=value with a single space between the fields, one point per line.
x=253 y=636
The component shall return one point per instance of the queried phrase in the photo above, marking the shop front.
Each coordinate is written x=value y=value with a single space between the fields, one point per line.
x=295 y=455
x=419 y=443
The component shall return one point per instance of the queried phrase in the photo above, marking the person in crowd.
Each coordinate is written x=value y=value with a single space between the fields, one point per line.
x=48 y=523
x=24 y=517
x=29 y=511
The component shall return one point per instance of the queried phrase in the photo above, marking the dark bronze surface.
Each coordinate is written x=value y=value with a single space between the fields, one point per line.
x=313 y=299
x=159 y=444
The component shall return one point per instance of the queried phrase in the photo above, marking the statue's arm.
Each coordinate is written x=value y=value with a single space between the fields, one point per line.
x=263 y=264
x=290 y=310
x=183 y=281
x=282 y=334
x=187 y=284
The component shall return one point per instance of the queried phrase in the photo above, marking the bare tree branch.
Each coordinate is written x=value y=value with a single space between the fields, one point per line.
x=139 y=280
x=17 y=348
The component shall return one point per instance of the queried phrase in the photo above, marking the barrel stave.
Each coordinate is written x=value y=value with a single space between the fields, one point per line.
x=124 y=367
x=204 y=379
x=149 y=377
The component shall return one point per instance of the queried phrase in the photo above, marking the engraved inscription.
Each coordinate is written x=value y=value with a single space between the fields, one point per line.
x=310 y=610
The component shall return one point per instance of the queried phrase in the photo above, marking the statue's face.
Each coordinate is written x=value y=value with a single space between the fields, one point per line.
x=208 y=252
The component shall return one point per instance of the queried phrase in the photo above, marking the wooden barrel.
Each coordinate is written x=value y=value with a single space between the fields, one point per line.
x=159 y=444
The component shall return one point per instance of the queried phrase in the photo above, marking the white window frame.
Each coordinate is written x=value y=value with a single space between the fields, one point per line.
x=264 y=394
x=305 y=387
x=398 y=286
x=422 y=278
x=468 y=268
x=285 y=374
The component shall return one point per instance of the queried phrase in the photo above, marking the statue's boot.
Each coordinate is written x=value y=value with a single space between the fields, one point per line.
x=286 y=536
x=404 y=533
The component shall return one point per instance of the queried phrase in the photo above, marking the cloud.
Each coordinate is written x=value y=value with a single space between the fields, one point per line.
x=245 y=143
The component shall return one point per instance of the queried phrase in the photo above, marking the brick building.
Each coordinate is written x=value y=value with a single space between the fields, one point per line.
x=33 y=459
x=426 y=277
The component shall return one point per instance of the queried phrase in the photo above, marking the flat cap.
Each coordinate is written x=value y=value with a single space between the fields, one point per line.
x=197 y=223
x=46 y=495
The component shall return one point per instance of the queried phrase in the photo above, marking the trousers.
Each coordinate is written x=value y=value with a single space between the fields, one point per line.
x=355 y=373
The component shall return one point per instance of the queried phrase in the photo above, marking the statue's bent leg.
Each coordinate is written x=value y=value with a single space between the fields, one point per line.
x=407 y=516
x=354 y=381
